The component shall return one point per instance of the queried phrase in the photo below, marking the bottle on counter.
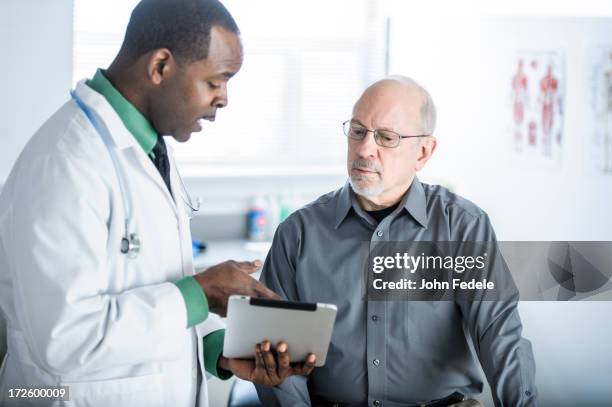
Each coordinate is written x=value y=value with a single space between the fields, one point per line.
x=257 y=219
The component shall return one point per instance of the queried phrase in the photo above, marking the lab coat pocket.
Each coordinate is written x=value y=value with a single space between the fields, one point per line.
x=127 y=391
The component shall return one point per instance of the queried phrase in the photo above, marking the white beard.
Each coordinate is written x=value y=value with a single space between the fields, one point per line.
x=366 y=192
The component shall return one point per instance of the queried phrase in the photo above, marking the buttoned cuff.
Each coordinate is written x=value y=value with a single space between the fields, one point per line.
x=195 y=300
x=213 y=348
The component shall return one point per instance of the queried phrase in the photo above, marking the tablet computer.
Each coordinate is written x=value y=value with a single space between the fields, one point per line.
x=306 y=327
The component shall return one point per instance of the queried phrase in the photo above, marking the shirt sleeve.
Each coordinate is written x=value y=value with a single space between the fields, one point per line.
x=495 y=328
x=197 y=312
x=213 y=349
x=195 y=300
x=278 y=274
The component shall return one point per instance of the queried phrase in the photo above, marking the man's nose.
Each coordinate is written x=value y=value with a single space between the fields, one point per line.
x=220 y=99
x=367 y=147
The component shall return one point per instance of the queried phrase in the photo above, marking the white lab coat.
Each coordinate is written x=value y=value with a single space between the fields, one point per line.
x=80 y=313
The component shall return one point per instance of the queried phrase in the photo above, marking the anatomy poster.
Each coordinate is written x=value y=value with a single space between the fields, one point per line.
x=537 y=87
x=600 y=61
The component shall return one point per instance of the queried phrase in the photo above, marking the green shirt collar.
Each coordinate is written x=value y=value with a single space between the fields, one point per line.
x=133 y=120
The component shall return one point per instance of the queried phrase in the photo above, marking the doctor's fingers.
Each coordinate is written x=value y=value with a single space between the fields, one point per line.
x=245 y=267
x=265 y=350
x=249 y=267
x=259 y=362
x=262 y=291
x=284 y=362
x=305 y=368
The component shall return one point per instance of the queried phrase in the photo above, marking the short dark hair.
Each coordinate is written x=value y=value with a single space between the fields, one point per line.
x=182 y=26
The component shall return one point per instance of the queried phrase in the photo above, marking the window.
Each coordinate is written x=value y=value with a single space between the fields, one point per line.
x=305 y=65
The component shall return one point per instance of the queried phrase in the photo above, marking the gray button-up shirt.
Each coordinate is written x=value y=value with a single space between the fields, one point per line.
x=395 y=353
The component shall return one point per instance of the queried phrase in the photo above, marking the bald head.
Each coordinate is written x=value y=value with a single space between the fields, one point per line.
x=403 y=95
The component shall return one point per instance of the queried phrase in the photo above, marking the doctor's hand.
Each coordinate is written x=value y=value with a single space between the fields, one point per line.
x=230 y=278
x=270 y=367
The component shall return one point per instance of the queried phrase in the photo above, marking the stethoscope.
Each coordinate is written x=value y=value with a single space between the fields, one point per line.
x=130 y=242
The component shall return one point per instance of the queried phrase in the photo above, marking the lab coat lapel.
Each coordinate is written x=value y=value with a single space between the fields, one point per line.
x=122 y=138
x=149 y=168
x=182 y=215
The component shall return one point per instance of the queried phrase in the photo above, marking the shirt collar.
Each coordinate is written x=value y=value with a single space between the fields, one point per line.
x=414 y=201
x=344 y=204
x=133 y=120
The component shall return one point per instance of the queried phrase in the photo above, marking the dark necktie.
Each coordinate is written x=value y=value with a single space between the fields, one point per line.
x=161 y=161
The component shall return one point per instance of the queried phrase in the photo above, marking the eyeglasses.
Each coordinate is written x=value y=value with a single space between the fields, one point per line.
x=384 y=138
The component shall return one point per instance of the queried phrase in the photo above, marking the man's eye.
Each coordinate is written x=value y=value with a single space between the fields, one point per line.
x=386 y=136
x=212 y=85
x=358 y=131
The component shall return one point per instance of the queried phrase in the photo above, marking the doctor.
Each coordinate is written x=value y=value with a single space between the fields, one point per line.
x=96 y=273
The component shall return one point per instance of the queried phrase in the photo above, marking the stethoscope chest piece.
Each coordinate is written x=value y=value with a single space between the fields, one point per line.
x=130 y=247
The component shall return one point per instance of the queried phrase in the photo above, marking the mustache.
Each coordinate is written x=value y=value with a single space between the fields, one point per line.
x=370 y=165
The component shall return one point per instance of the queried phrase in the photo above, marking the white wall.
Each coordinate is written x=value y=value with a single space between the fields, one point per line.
x=36 y=71
x=464 y=62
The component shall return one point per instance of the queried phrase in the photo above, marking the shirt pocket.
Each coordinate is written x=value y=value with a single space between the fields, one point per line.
x=431 y=325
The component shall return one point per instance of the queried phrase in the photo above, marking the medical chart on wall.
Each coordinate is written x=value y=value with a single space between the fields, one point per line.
x=537 y=88
x=600 y=62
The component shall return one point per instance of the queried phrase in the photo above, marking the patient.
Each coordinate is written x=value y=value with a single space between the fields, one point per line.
x=394 y=353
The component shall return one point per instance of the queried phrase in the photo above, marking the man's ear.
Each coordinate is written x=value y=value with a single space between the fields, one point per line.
x=160 y=65
x=426 y=149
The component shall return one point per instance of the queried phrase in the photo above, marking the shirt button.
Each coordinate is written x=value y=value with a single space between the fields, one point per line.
x=374 y=318
x=376 y=403
x=379 y=233
x=376 y=362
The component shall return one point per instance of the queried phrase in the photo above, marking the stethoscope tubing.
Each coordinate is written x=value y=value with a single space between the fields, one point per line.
x=127 y=209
